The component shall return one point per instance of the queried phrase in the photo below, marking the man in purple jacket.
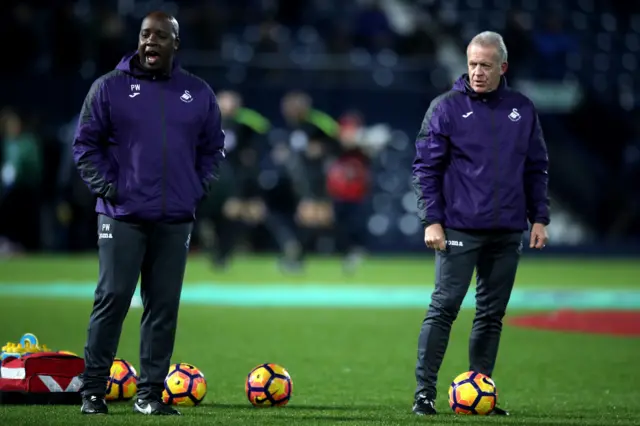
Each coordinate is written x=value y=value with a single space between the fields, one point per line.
x=480 y=174
x=148 y=144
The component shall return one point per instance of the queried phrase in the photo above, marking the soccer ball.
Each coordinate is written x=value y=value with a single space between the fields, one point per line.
x=472 y=393
x=268 y=385
x=185 y=385
x=123 y=381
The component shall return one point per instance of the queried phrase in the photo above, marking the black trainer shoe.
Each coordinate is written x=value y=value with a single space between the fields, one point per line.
x=154 y=408
x=497 y=411
x=423 y=406
x=94 y=404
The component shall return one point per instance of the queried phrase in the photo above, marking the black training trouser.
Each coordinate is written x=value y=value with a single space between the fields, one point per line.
x=157 y=253
x=495 y=257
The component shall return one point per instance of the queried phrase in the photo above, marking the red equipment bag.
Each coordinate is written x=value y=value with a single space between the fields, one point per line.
x=41 y=378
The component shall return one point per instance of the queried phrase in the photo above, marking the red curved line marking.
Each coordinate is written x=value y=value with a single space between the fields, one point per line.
x=616 y=323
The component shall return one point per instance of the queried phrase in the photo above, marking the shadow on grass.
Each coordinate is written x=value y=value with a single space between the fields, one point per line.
x=536 y=419
x=298 y=407
x=370 y=414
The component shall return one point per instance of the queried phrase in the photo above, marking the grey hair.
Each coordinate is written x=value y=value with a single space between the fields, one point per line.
x=493 y=39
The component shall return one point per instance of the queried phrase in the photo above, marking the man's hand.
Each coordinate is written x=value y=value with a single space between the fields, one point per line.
x=313 y=213
x=232 y=208
x=434 y=237
x=254 y=211
x=539 y=236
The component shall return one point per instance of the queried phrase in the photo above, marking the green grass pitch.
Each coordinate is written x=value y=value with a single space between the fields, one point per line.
x=349 y=365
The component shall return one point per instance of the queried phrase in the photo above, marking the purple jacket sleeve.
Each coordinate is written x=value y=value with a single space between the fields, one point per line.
x=211 y=147
x=90 y=143
x=536 y=176
x=432 y=147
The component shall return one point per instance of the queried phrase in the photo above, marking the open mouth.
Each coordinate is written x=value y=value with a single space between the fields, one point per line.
x=151 y=57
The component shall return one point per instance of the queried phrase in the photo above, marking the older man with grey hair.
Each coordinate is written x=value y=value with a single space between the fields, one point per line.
x=480 y=177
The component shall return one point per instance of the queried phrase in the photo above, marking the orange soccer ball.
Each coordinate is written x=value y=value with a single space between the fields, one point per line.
x=123 y=381
x=472 y=393
x=269 y=385
x=185 y=385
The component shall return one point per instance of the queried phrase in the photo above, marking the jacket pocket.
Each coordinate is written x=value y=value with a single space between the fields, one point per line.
x=197 y=187
x=121 y=187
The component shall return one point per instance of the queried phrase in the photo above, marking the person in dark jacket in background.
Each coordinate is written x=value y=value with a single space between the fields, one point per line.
x=480 y=173
x=241 y=206
x=313 y=140
x=148 y=143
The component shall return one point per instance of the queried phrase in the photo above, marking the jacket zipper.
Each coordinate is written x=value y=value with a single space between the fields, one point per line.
x=164 y=150
x=496 y=146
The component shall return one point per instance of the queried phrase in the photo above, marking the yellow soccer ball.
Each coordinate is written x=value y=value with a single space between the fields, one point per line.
x=185 y=385
x=123 y=381
x=473 y=393
x=269 y=385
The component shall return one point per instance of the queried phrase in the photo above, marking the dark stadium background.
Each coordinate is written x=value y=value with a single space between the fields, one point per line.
x=578 y=60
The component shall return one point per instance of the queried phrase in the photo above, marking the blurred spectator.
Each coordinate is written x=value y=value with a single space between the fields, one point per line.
x=348 y=184
x=236 y=205
x=67 y=50
x=205 y=24
x=290 y=13
x=517 y=37
x=22 y=44
x=21 y=174
x=372 y=28
x=111 y=41
x=553 y=45
x=313 y=141
x=243 y=12
x=267 y=41
x=418 y=42
x=339 y=39
x=75 y=206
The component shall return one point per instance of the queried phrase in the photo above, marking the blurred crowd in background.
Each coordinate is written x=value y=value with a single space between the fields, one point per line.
x=322 y=100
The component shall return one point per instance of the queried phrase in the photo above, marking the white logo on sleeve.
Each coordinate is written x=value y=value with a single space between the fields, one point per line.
x=186 y=97
x=135 y=90
x=467 y=114
x=515 y=115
